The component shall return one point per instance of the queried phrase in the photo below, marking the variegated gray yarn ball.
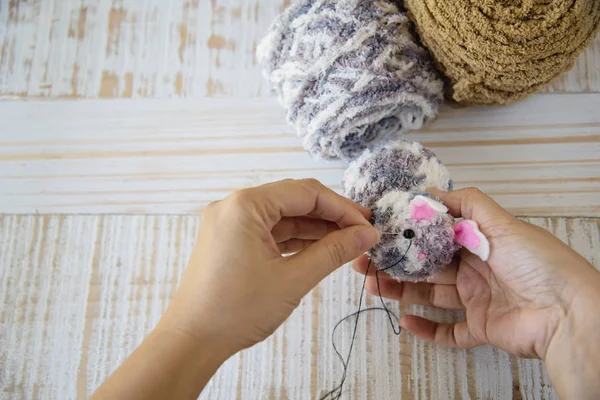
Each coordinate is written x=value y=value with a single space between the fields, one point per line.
x=350 y=74
x=417 y=235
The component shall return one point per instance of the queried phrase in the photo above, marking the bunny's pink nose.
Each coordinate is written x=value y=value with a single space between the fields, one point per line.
x=422 y=256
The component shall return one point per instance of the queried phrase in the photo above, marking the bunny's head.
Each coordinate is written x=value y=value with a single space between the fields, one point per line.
x=419 y=236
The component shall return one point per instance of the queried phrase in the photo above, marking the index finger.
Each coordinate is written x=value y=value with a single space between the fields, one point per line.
x=294 y=198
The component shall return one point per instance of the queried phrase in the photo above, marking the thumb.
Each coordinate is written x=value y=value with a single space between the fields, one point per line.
x=470 y=203
x=334 y=250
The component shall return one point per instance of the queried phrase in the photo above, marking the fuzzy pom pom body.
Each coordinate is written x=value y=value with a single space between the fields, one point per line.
x=417 y=238
x=349 y=74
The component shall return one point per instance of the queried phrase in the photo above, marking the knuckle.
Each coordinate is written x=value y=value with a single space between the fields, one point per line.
x=312 y=182
x=238 y=202
x=476 y=199
x=442 y=299
x=432 y=296
x=295 y=228
x=336 y=252
x=211 y=207
x=212 y=211
x=474 y=192
x=240 y=198
x=473 y=198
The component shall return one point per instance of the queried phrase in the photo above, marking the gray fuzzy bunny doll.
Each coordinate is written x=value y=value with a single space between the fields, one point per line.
x=418 y=235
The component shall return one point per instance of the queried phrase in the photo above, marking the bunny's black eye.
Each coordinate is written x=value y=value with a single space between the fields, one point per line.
x=408 y=234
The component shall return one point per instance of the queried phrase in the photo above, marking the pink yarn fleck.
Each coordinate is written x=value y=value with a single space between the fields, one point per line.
x=422 y=211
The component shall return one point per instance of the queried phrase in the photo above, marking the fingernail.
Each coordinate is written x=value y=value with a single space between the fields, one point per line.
x=367 y=238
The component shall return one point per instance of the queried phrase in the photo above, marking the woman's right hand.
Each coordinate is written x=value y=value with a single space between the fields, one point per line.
x=535 y=297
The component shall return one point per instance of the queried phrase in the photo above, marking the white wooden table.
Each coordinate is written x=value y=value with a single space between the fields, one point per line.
x=121 y=119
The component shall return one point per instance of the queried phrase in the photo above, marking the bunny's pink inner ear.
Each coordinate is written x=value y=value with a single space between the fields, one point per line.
x=424 y=208
x=468 y=235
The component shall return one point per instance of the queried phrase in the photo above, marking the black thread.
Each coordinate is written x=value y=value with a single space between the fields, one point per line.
x=397 y=262
x=336 y=393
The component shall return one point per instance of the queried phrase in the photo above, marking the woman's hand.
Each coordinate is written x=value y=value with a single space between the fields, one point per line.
x=523 y=300
x=238 y=286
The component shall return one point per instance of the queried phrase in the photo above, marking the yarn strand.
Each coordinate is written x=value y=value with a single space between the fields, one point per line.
x=350 y=74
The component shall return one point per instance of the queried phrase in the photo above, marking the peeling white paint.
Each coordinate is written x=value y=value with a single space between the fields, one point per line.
x=131 y=48
x=157 y=48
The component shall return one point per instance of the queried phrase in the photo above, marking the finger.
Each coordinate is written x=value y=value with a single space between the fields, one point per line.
x=361 y=265
x=363 y=210
x=294 y=245
x=470 y=203
x=293 y=198
x=301 y=228
x=425 y=294
x=477 y=271
x=446 y=276
x=334 y=250
x=450 y=335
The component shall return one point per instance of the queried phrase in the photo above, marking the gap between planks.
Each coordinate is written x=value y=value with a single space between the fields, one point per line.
x=78 y=293
x=536 y=157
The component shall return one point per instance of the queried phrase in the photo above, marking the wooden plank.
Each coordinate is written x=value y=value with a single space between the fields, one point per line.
x=156 y=48
x=538 y=157
x=131 y=48
x=78 y=293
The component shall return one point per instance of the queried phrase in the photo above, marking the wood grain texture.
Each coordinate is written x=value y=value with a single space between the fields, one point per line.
x=538 y=157
x=131 y=48
x=78 y=293
x=157 y=48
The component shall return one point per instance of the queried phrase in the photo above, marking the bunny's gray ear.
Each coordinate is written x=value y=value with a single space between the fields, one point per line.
x=468 y=235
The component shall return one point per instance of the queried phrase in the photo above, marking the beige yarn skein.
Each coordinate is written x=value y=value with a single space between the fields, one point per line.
x=499 y=51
